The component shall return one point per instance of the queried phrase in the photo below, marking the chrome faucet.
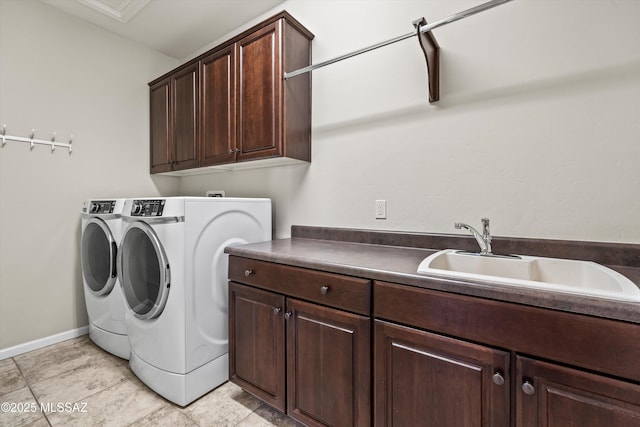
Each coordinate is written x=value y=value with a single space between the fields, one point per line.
x=484 y=239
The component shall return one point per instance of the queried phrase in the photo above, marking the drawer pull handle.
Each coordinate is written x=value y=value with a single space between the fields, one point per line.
x=276 y=310
x=324 y=290
x=528 y=388
x=287 y=315
x=498 y=379
x=248 y=273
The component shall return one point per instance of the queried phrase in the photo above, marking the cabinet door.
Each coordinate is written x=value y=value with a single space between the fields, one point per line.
x=549 y=395
x=424 y=379
x=328 y=366
x=161 y=126
x=259 y=94
x=218 y=144
x=185 y=121
x=256 y=343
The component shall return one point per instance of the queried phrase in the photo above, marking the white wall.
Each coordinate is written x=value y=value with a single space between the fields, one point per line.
x=60 y=74
x=537 y=128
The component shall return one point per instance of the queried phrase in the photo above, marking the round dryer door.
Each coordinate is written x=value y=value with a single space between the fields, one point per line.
x=98 y=257
x=144 y=271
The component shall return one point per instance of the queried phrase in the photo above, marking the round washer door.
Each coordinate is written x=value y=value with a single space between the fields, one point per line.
x=98 y=251
x=144 y=271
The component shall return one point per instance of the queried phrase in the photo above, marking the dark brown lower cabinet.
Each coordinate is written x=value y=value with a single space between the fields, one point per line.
x=256 y=343
x=304 y=341
x=328 y=369
x=550 y=395
x=424 y=379
x=328 y=353
x=440 y=378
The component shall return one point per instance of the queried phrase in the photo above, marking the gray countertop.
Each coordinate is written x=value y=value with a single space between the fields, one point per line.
x=399 y=264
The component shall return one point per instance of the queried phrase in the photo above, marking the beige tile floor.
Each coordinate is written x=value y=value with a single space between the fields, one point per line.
x=76 y=383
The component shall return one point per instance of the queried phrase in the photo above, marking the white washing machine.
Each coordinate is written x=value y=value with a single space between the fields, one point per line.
x=101 y=231
x=173 y=272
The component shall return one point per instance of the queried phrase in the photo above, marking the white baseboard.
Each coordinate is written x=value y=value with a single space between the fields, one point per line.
x=6 y=353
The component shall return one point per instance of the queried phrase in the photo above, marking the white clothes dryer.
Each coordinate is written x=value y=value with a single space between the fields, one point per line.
x=173 y=272
x=101 y=232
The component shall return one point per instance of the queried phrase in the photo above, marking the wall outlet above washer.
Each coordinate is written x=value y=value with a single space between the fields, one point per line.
x=381 y=209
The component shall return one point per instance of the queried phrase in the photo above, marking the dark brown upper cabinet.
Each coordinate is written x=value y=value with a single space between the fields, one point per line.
x=241 y=111
x=218 y=113
x=161 y=127
x=259 y=92
x=184 y=90
x=174 y=125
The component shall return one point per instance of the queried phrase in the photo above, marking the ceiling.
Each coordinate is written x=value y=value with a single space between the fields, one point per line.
x=176 y=28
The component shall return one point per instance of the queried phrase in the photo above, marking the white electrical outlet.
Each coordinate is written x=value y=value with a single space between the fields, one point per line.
x=381 y=209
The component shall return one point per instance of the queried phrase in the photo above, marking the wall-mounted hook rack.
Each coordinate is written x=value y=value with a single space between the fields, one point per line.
x=32 y=141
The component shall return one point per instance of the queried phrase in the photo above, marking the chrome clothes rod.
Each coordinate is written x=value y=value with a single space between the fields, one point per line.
x=33 y=141
x=423 y=29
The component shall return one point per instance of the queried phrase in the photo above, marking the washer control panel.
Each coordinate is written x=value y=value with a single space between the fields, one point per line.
x=147 y=207
x=101 y=206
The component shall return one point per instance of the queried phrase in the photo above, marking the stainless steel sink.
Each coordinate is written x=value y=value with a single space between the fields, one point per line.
x=551 y=274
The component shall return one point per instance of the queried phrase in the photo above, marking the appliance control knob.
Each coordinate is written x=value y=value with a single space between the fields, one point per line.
x=94 y=207
x=137 y=208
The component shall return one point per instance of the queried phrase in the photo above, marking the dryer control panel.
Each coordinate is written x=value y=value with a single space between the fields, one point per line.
x=100 y=207
x=147 y=207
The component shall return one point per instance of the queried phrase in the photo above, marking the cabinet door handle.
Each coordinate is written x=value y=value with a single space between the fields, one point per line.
x=276 y=310
x=498 y=379
x=324 y=290
x=248 y=273
x=287 y=315
x=528 y=388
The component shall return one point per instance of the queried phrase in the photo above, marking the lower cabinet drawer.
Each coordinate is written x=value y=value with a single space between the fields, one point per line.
x=333 y=290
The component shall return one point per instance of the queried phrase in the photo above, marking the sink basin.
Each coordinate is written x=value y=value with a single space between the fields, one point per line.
x=552 y=274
